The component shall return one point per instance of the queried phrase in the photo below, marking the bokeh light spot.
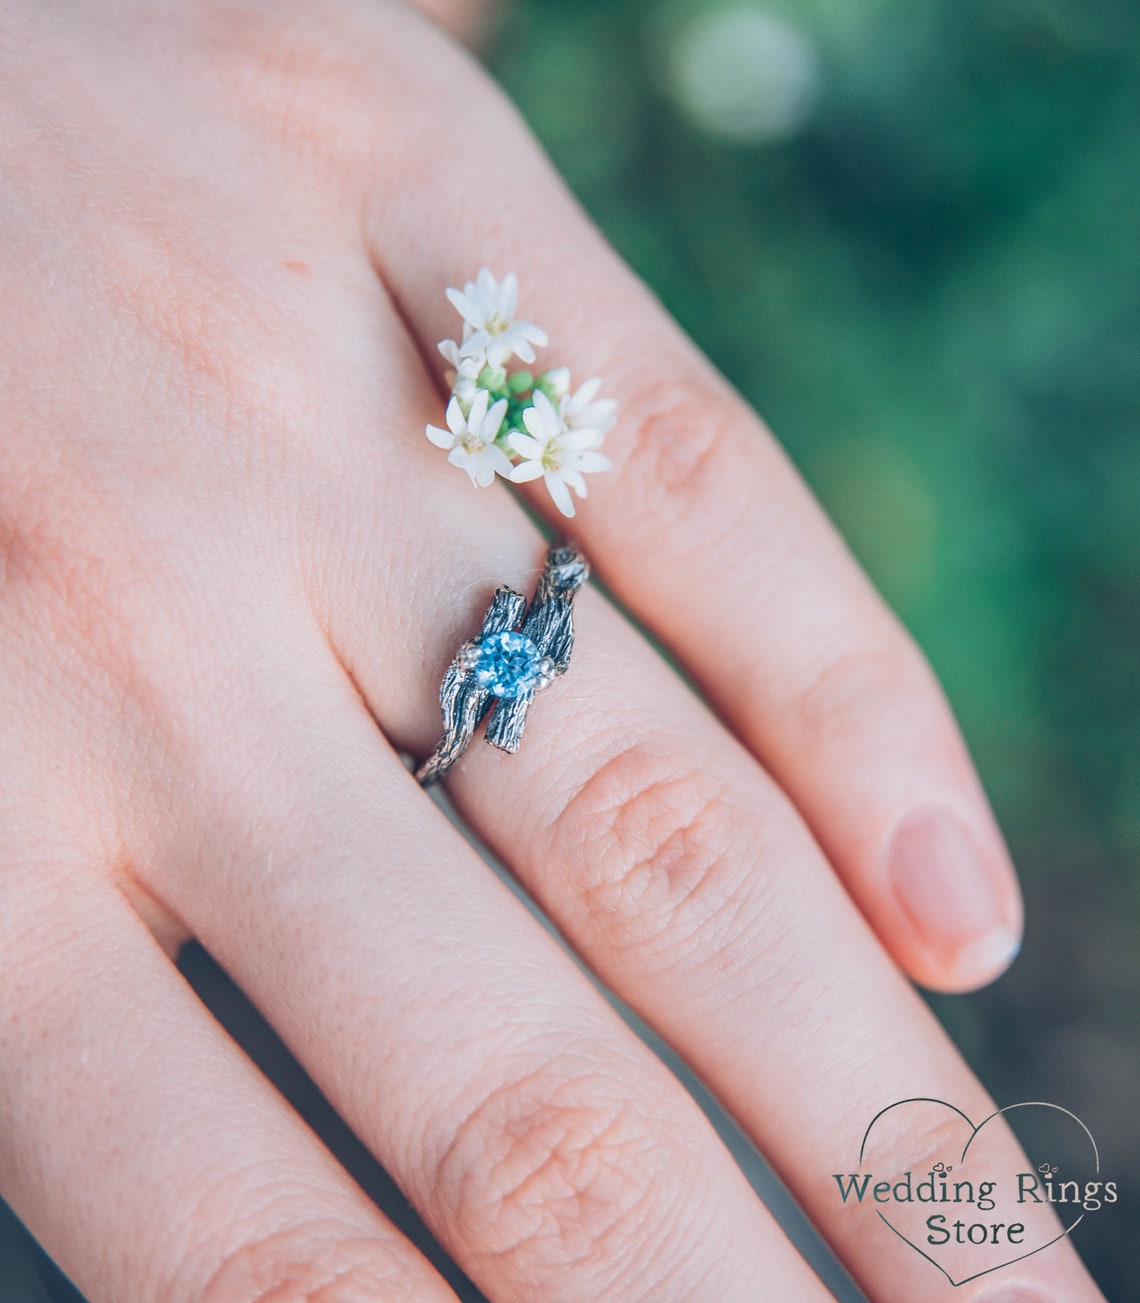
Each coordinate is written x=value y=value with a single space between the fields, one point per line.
x=745 y=75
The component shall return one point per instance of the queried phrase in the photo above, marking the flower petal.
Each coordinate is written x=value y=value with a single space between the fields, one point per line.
x=525 y=446
x=598 y=416
x=546 y=407
x=467 y=309
x=515 y=342
x=475 y=345
x=532 y=419
x=587 y=392
x=456 y=421
x=498 y=349
x=560 y=493
x=482 y=472
x=592 y=461
x=461 y=457
x=489 y=429
x=541 y=419
x=575 y=481
x=478 y=413
x=576 y=439
x=603 y=409
x=509 y=295
x=526 y=471
x=441 y=438
x=498 y=460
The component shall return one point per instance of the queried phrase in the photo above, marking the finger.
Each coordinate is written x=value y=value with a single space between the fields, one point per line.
x=686 y=880
x=661 y=849
x=465 y=19
x=552 y=1155
x=705 y=532
x=138 y=1144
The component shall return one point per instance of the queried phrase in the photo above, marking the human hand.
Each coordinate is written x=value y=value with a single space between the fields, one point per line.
x=230 y=555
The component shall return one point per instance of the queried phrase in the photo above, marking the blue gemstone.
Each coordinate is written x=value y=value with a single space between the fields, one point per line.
x=508 y=664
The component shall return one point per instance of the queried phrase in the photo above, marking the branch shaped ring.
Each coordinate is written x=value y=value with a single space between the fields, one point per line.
x=518 y=652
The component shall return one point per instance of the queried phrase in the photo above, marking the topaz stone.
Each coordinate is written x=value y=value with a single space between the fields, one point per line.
x=508 y=664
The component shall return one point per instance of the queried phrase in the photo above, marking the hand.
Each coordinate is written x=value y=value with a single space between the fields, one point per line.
x=233 y=572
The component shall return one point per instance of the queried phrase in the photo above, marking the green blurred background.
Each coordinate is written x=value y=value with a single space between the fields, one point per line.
x=910 y=234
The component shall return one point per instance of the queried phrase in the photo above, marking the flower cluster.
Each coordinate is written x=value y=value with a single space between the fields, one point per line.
x=516 y=424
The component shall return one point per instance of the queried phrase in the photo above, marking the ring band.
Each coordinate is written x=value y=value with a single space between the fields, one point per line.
x=518 y=652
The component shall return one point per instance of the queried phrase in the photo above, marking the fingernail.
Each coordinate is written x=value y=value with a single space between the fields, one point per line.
x=957 y=899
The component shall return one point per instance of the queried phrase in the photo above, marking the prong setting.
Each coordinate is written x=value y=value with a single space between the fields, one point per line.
x=519 y=652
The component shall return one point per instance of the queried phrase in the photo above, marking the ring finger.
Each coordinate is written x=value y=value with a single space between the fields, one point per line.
x=667 y=856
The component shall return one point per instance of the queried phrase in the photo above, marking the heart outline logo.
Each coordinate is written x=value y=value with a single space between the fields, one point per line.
x=1009 y=1108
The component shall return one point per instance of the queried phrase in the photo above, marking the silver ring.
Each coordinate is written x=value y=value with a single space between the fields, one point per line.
x=517 y=653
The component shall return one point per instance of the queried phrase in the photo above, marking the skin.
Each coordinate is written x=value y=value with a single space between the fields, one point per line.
x=232 y=570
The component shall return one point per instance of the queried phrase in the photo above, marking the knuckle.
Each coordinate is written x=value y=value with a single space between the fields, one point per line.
x=650 y=846
x=313 y=1264
x=682 y=444
x=851 y=690
x=193 y=343
x=198 y=362
x=27 y=550
x=315 y=75
x=65 y=585
x=918 y=1135
x=550 y=1171
x=106 y=620
x=86 y=604
x=295 y=78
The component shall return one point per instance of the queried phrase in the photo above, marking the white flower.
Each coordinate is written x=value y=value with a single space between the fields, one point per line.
x=471 y=439
x=450 y=350
x=557 y=453
x=463 y=377
x=488 y=309
x=586 y=411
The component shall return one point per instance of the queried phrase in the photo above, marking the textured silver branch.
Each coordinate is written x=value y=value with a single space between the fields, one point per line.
x=463 y=701
x=549 y=625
